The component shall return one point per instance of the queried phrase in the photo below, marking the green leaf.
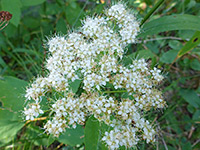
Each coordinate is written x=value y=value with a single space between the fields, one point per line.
x=12 y=93
x=14 y=7
x=155 y=7
x=10 y=30
x=196 y=115
x=193 y=42
x=174 y=123
x=75 y=85
x=32 y=2
x=72 y=137
x=6 y=114
x=195 y=64
x=186 y=145
x=73 y=14
x=61 y=26
x=10 y=123
x=146 y=54
x=169 y=56
x=176 y=45
x=91 y=134
x=37 y=136
x=31 y=22
x=26 y=51
x=190 y=96
x=169 y=23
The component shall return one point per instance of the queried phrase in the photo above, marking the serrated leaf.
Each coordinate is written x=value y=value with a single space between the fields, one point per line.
x=169 y=23
x=72 y=137
x=32 y=2
x=14 y=7
x=91 y=134
x=190 y=96
x=12 y=93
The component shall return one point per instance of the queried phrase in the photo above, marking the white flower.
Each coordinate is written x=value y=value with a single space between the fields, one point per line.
x=93 y=54
x=33 y=111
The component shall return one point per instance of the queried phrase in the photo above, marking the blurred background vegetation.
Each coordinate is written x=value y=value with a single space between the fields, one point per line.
x=22 y=55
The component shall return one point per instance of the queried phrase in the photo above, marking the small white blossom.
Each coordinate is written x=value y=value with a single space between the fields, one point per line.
x=33 y=111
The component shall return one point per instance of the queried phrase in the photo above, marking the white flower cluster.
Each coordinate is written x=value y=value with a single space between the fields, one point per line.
x=93 y=55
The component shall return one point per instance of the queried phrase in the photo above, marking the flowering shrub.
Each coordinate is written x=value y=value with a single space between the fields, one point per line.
x=93 y=54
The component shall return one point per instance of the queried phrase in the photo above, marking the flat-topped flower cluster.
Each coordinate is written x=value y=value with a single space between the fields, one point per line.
x=93 y=54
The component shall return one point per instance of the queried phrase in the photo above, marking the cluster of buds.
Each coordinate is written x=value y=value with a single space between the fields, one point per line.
x=5 y=17
x=93 y=54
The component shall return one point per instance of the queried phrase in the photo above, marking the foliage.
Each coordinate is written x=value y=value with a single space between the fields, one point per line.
x=169 y=40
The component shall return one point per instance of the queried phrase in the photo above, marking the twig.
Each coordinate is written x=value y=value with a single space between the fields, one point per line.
x=164 y=143
x=195 y=143
x=36 y=119
x=162 y=38
x=191 y=131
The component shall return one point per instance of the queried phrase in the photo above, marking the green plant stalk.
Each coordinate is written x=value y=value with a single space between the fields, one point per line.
x=157 y=5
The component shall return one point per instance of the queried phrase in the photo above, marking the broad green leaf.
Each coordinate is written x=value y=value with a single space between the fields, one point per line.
x=32 y=2
x=195 y=64
x=75 y=85
x=12 y=102
x=193 y=42
x=72 y=137
x=12 y=93
x=14 y=7
x=169 y=23
x=91 y=134
x=169 y=56
x=191 y=97
x=186 y=34
x=9 y=115
x=8 y=130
